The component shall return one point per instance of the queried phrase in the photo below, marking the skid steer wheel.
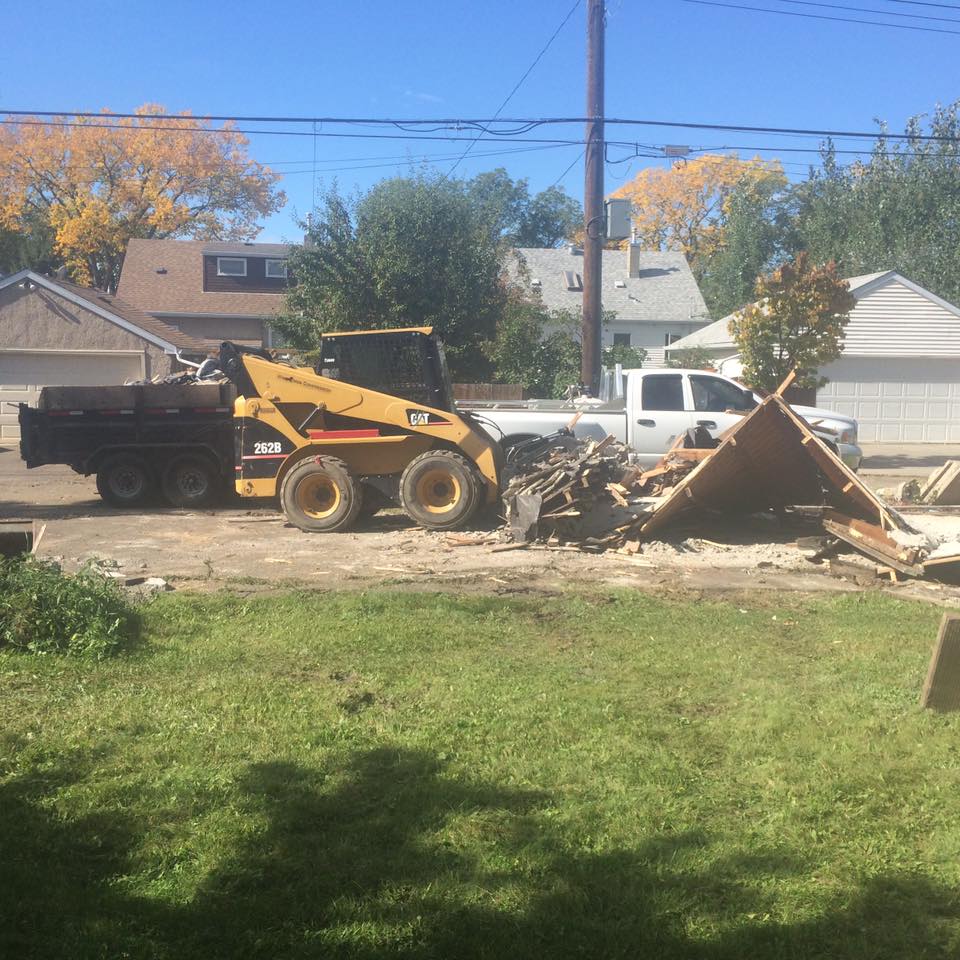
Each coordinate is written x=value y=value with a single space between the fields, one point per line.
x=319 y=495
x=190 y=482
x=440 y=490
x=125 y=480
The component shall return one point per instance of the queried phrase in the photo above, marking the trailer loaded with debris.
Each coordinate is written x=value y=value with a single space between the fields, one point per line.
x=770 y=461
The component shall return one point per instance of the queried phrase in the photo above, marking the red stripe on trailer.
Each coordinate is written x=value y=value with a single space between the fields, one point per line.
x=265 y=456
x=64 y=413
x=342 y=434
x=153 y=412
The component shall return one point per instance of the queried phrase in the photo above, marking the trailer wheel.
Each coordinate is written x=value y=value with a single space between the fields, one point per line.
x=125 y=480
x=319 y=495
x=190 y=482
x=440 y=490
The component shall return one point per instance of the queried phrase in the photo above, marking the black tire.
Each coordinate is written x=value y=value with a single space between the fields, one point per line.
x=191 y=482
x=440 y=490
x=126 y=480
x=319 y=495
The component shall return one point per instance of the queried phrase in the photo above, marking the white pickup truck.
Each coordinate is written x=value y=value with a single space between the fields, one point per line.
x=654 y=407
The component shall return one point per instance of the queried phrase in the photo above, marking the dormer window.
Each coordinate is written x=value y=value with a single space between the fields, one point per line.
x=573 y=280
x=276 y=269
x=231 y=266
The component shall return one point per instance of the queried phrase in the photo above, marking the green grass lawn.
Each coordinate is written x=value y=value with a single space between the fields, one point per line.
x=381 y=775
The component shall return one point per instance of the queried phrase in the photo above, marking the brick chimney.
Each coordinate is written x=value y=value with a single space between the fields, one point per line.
x=633 y=259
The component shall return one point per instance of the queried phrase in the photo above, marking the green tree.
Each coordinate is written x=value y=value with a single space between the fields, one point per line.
x=29 y=246
x=898 y=210
x=412 y=251
x=693 y=358
x=755 y=238
x=797 y=322
x=518 y=219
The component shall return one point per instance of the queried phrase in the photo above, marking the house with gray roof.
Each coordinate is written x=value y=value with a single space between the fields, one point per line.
x=899 y=373
x=653 y=295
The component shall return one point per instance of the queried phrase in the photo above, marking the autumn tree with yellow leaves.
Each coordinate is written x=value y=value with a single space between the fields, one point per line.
x=685 y=207
x=97 y=182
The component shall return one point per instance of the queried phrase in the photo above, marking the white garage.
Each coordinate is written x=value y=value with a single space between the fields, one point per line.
x=54 y=333
x=899 y=375
x=24 y=373
x=897 y=401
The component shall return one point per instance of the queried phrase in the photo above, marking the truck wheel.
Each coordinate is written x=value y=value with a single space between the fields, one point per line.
x=318 y=495
x=125 y=480
x=440 y=490
x=190 y=482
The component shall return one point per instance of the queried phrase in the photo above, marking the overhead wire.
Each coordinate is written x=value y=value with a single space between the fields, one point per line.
x=882 y=13
x=519 y=83
x=819 y=16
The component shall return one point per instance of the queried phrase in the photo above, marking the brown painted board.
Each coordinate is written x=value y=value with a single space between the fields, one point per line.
x=941 y=691
x=871 y=541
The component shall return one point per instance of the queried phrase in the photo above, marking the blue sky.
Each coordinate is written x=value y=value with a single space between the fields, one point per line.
x=666 y=59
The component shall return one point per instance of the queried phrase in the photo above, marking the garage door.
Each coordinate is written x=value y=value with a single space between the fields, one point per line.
x=23 y=374
x=896 y=401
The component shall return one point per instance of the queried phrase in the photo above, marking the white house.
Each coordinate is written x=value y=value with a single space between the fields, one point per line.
x=899 y=374
x=654 y=295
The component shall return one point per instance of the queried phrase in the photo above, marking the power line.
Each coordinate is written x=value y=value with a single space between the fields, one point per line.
x=519 y=83
x=882 y=13
x=919 y=3
x=818 y=16
x=576 y=160
x=495 y=136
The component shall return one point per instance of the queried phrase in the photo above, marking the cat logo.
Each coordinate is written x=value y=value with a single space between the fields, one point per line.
x=423 y=418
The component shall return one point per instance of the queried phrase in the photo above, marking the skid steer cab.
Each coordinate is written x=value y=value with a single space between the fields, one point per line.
x=373 y=422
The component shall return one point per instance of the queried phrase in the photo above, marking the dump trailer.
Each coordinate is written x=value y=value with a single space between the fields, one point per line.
x=372 y=422
x=143 y=442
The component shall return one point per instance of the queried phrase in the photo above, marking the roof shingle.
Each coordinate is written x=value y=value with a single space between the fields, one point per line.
x=665 y=289
x=179 y=288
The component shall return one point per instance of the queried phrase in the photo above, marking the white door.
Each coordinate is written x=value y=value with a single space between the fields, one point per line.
x=896 y=400
x=23 y=374
x=662 y=416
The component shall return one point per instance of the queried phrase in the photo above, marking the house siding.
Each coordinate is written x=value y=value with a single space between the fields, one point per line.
x=41 y=320
x=256 y=280
x=895 y=321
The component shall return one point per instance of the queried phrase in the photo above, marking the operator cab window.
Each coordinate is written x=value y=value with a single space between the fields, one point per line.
x=712 y=395
x=662 y=391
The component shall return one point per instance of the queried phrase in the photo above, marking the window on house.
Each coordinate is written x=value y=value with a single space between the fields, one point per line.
x=669 y=338
x=662 y=391
x=231 y=267
x=621 y=339
x=276 y=269
x=573 y=280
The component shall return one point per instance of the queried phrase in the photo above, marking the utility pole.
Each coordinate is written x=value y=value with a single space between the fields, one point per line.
x=593 y=215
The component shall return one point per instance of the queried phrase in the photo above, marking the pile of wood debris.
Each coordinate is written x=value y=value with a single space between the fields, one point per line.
x=590 y=496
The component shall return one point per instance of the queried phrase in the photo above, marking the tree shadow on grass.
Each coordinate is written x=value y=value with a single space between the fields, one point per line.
x=390 y=855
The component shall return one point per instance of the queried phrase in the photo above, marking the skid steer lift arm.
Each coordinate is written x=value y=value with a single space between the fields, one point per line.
x=333 y=449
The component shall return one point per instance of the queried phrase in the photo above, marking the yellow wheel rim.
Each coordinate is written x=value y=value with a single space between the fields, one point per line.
x=438 y=491
x=318 y=496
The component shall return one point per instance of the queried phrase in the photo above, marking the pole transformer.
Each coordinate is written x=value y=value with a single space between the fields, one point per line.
x=593 y=212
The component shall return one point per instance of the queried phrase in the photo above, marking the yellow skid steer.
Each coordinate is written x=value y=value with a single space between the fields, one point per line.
x=373 y=421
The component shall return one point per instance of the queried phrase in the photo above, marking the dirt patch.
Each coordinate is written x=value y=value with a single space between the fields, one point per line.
x=253 y=550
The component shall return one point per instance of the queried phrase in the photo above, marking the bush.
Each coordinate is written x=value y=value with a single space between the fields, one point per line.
x=44 y=610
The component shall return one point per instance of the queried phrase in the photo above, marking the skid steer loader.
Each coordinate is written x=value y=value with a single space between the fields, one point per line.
x=372 y=422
